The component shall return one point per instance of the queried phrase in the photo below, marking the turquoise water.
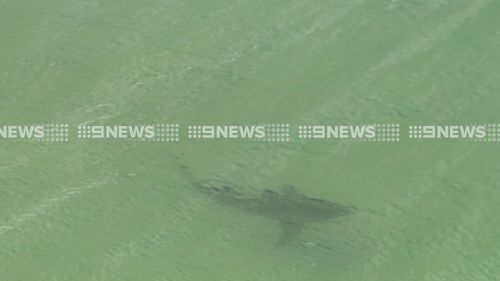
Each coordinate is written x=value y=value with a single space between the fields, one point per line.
x=124 y=210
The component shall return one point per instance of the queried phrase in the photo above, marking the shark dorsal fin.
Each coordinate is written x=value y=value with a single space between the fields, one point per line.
x=290 y=191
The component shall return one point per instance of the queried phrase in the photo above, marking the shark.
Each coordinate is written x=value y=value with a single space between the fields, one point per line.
x=290 y=208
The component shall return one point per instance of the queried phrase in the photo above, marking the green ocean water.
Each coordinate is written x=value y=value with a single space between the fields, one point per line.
x=124 y=210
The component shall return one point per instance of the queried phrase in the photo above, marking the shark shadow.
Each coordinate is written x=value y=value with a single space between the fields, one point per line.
x=291 y=209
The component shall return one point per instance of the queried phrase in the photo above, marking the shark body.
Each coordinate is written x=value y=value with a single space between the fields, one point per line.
x=290 y=208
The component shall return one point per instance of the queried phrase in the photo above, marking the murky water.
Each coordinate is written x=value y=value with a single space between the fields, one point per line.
x=124 y=210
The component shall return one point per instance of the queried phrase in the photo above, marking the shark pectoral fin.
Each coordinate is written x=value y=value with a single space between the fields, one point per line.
x=290 y=230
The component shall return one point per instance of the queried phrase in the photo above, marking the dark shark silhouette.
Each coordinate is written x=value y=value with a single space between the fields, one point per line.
x=291 y=209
